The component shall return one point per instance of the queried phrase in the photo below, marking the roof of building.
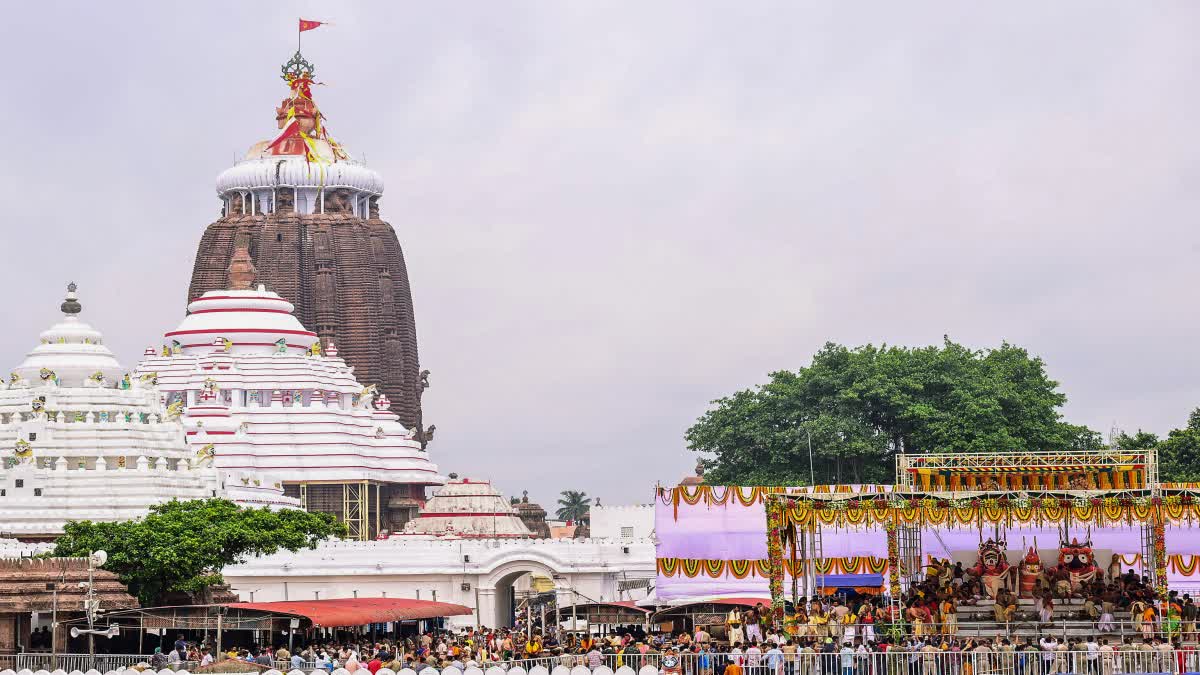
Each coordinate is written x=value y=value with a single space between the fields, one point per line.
x=468 y=508
x=260 y=389
x=70 y=414
x=358 y=611
x=71 y=350
x=42 y=584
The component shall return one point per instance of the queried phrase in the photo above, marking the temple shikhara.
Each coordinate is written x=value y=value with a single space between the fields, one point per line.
x=259 y=393
x=85 y=439
x=466 y=508
x=301 y=216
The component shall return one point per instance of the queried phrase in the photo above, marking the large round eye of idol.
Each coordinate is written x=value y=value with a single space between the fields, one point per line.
x=1067 y=558
x=1083 y=558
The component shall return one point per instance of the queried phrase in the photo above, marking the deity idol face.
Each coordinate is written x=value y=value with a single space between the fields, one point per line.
x=1076 y=556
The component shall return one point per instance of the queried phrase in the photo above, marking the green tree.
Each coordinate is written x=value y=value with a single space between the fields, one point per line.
x=1179 y=452
x=860 y=407
x=574 y=505
x=183 y=546
x=1142 y=440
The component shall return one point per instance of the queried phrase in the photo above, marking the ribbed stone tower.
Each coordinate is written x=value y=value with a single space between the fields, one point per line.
x=301 y=217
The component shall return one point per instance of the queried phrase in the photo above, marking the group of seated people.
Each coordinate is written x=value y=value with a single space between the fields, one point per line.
x=931 y=606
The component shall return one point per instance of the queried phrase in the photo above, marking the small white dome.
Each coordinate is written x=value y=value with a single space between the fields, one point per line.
x=252 y=320
x=72 y=350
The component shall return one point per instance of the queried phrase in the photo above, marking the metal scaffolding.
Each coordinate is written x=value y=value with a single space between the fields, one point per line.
x=356 y=499
x=909 y=466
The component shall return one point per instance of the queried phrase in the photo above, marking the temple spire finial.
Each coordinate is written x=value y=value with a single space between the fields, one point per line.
x=71 y=304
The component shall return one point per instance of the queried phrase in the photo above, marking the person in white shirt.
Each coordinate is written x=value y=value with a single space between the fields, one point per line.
x=775 y=660
x=753 y=657
x=1049 y=646
x=1093 y=654
x=207 y=657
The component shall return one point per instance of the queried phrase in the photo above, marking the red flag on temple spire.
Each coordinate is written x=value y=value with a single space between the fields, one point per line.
x=305 y=24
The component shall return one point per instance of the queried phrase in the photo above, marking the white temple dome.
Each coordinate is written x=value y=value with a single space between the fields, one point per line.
x=75 y=447
x=252 y=320
x=262 y=393
x=71 y=349
x=468 y=508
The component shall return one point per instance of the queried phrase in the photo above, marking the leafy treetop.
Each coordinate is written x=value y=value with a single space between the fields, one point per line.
x=861 y=406
x=184 y=546
x=573 y=505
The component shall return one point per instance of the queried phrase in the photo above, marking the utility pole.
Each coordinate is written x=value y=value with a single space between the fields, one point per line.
x=91 y=609
x=812 y=481
x=54 y=626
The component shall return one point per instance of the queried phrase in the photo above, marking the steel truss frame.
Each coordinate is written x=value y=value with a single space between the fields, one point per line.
x=1080 y=461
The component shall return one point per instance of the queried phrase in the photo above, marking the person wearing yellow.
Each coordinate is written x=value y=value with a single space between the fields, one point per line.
x=733 y=623
x=818 y=624
x=949 y=616
x=533 y=647
x=849 y=622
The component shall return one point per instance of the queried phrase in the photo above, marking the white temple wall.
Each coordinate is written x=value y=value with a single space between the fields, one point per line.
x=622 y=522
x=476 y=573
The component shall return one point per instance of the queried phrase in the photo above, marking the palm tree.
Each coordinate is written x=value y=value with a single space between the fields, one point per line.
x=573 y=505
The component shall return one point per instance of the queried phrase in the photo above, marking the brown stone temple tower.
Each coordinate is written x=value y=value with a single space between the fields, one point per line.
x=302 y=218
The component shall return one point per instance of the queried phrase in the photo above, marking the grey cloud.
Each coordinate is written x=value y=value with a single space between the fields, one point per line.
x=615 y=212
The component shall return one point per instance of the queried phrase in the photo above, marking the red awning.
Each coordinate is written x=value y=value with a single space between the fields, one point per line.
x=358 y=611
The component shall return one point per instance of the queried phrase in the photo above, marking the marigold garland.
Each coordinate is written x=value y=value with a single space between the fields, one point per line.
x=740 y=569
x=775 y=523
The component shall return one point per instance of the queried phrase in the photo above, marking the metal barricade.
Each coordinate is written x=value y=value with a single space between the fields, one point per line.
x=35 y=661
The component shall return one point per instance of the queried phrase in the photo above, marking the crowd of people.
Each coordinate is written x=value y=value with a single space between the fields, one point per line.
x=773 y=652
x=931 y=606
x=822 y=635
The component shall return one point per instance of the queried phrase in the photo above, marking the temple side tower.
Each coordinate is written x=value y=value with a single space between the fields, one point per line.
x=301 y=217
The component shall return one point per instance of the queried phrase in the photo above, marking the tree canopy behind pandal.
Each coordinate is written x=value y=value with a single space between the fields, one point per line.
x=862 y=406
x=1178 y=453
x=183 y=546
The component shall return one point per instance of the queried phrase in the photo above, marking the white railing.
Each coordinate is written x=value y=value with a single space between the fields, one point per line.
x=1129 y=659
x=35 y=661
x=893 y=662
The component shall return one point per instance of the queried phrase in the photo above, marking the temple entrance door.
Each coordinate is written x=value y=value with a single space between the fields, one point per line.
x=502 y=586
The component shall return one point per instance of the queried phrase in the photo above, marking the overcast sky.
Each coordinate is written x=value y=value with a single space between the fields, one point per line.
x=616 y=212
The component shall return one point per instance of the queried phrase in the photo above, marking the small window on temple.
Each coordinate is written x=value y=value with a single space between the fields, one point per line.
x=32 y=436
x=37 y=492
x=20 y=482
x=279 y=237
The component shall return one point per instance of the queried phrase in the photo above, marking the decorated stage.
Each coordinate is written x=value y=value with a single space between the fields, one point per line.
x=713 y=540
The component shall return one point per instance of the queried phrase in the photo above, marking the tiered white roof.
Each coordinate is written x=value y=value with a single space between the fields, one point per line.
x=81 y=440
x=241 y=363
x=72 y=349
x=467 y=508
